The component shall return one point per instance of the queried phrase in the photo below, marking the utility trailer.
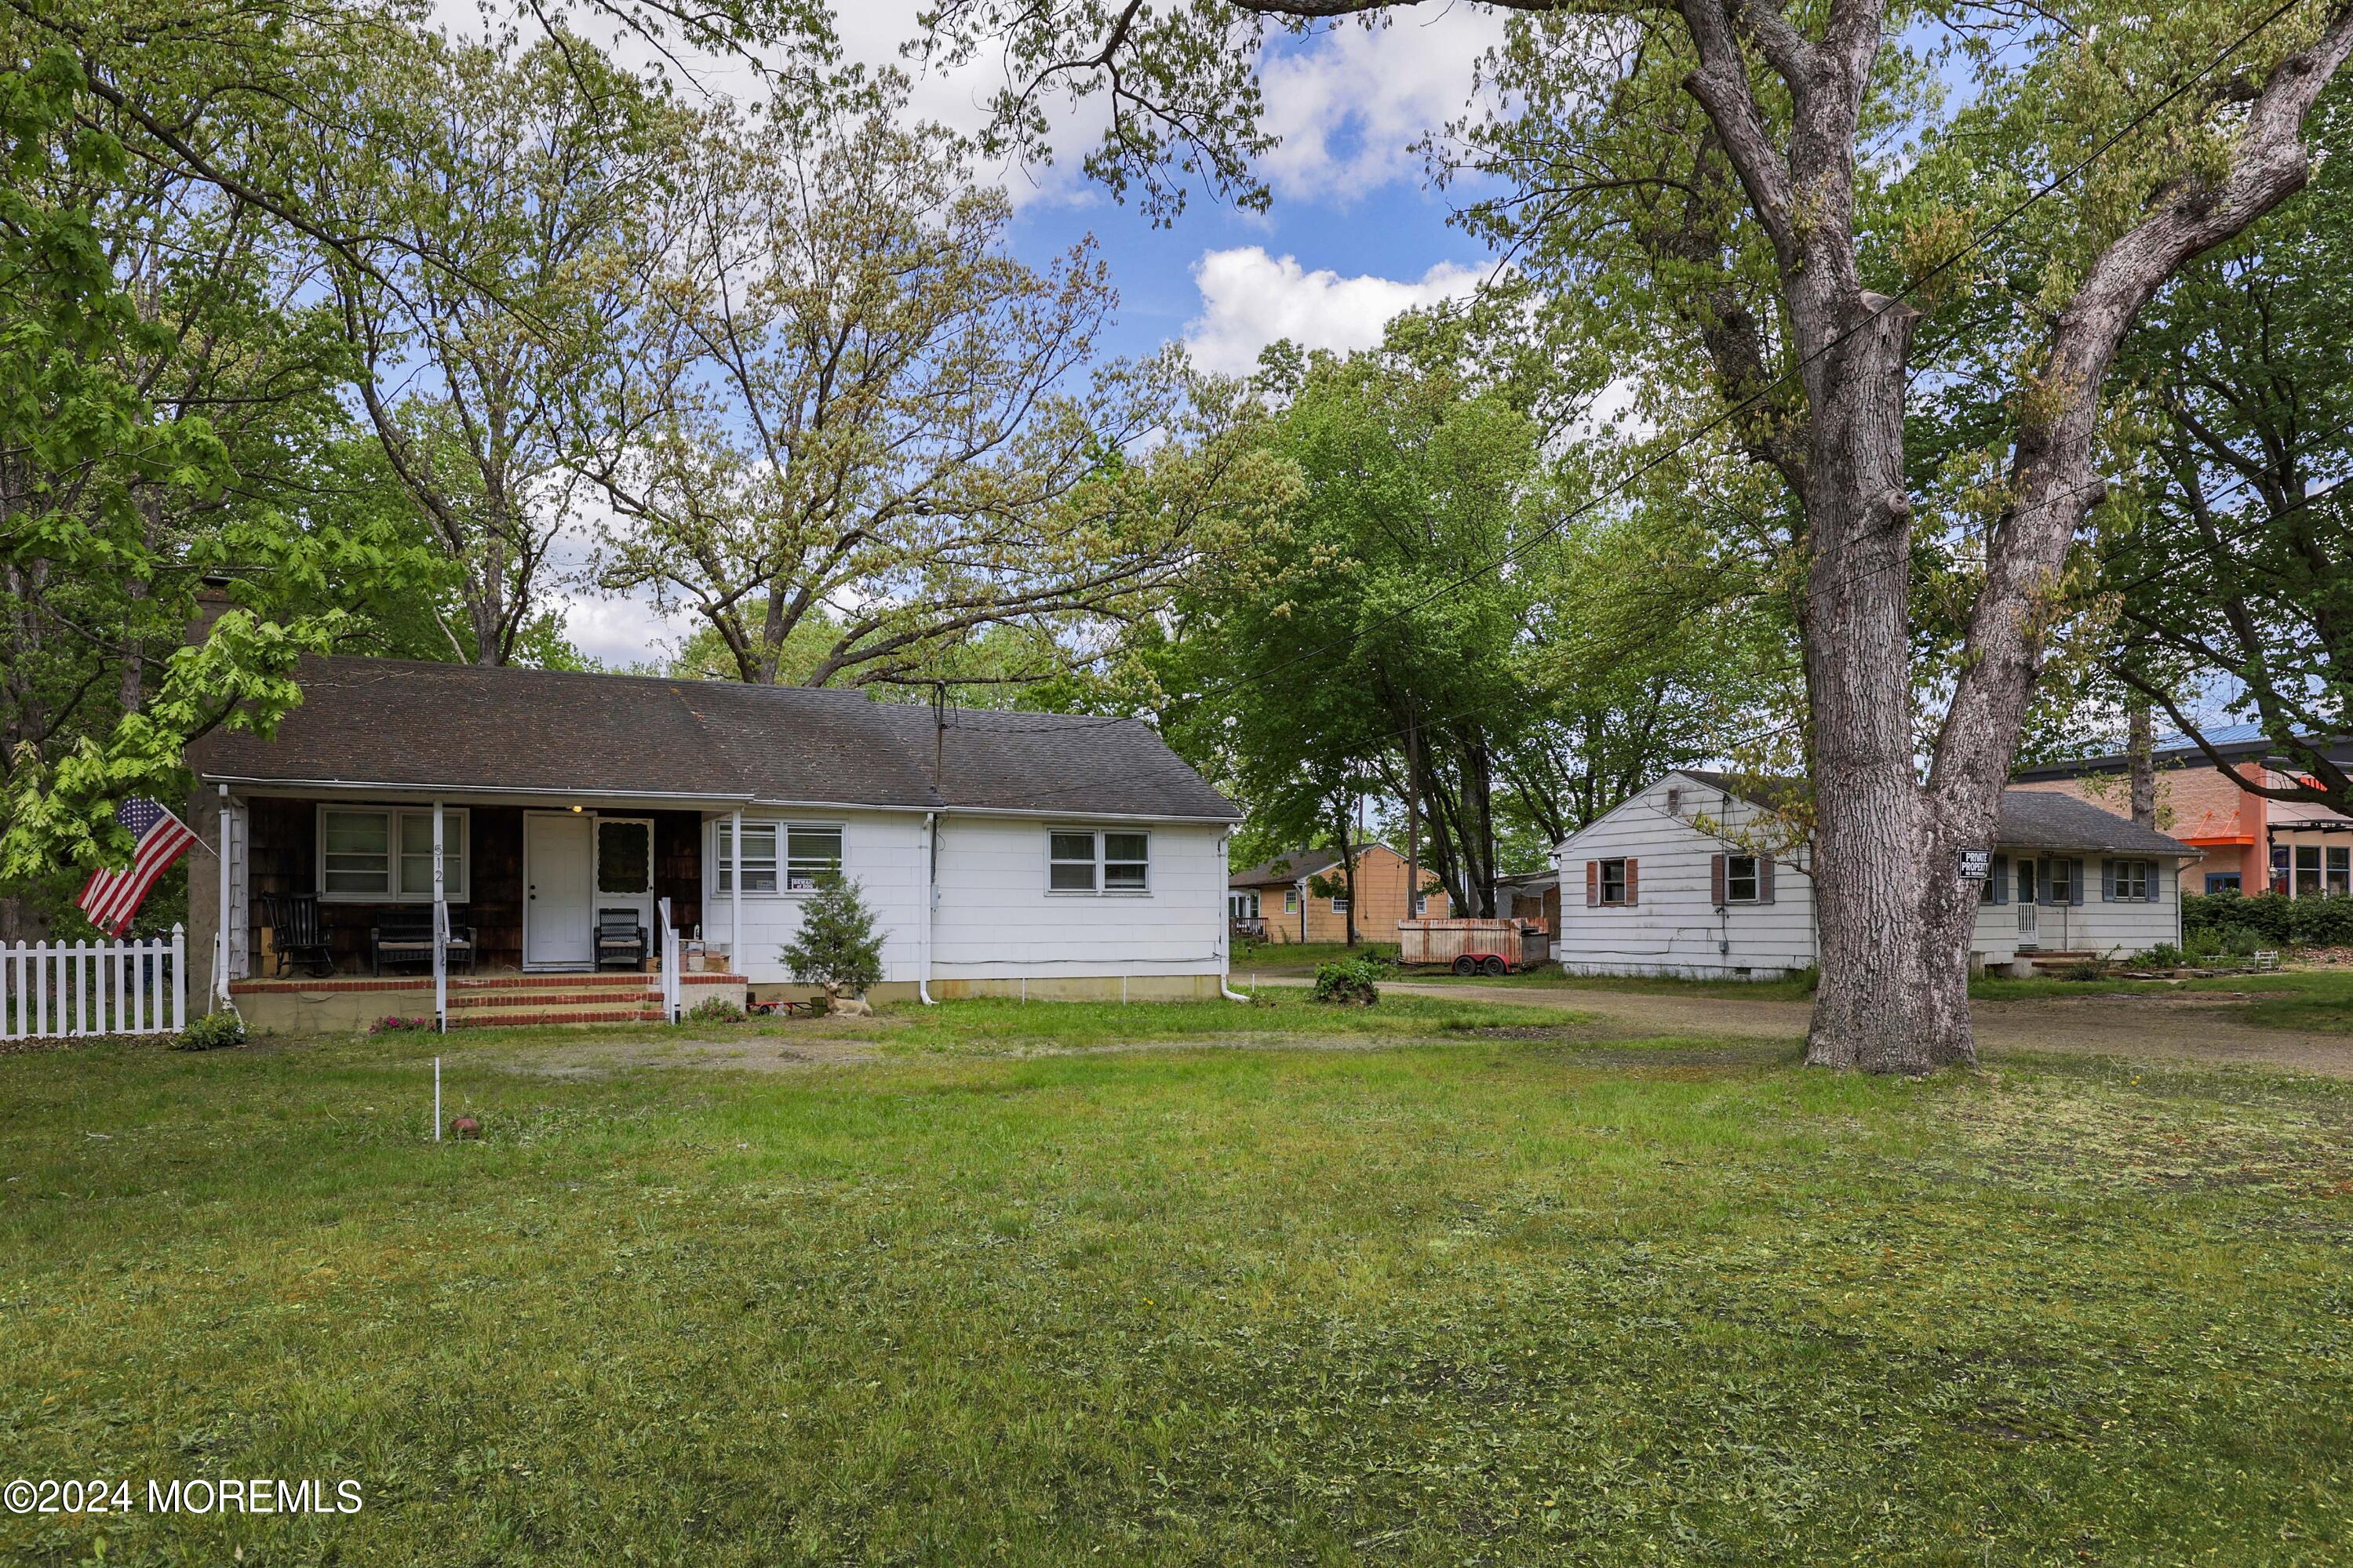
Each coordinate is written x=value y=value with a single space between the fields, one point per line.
x=1466 y=946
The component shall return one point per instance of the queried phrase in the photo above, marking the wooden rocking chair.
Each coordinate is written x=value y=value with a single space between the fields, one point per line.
x=297 y=934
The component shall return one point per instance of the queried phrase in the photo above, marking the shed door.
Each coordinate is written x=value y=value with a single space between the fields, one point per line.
x=558 y=928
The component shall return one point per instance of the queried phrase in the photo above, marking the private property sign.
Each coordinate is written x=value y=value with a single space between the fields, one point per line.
x=1977 y=865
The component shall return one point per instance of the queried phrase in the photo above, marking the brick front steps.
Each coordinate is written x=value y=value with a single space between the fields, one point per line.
x=476 y=1001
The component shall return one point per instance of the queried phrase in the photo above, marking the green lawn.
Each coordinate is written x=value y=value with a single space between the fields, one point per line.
x=1468 y=1293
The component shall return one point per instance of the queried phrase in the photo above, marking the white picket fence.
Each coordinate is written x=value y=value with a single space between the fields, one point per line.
x=52 y=990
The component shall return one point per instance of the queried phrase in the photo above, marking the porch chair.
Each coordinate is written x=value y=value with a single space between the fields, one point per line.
x=409 y=939
x=621 y=939
x=296 y=934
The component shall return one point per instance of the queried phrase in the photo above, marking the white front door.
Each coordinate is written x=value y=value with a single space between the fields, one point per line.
x=558 y=921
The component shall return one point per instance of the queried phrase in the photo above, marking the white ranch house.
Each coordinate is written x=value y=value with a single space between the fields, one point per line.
x=1011 y=854
x=1686 y=877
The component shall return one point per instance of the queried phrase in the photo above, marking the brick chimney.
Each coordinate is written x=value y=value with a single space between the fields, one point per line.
x=212 y=602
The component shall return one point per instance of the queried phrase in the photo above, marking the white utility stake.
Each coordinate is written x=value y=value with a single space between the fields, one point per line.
x=437 y=1100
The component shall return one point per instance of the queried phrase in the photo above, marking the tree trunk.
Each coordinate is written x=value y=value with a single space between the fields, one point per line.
x=2140 y=755
x=1885 y=1003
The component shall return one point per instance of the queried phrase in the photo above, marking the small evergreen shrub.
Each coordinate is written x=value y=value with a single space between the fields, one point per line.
x=714 y=1010
x=837 y=946
x=213 y=1032
x=1349 y=982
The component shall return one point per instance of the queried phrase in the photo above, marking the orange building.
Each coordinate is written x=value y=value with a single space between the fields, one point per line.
x=1302 y=896
x=2252 y=842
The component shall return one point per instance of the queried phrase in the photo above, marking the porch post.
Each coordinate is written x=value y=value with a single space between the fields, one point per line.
x=440 y=935
x=735 y=892
x=223 y=950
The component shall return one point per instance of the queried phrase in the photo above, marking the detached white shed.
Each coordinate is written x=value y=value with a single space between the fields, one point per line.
x=1697 y=876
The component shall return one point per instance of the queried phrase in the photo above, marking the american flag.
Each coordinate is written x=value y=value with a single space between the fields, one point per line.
x=111 y=897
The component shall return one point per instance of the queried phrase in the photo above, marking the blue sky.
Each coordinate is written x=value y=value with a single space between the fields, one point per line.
x=1353 y=237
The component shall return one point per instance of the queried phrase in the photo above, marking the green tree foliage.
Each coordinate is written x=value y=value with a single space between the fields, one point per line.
x=2232 y=560
x=837 y=946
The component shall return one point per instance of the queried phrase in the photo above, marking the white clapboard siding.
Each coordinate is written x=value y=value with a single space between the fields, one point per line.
x=998 y=921
x=58 y=990
x=884 y=852
x=1673 y=927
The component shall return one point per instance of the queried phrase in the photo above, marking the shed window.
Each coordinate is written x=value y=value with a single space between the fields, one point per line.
x=1741 y=882
x=385 y=854
x=1613 y=881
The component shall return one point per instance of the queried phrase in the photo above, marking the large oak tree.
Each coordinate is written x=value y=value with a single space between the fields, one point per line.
x=1723 y=145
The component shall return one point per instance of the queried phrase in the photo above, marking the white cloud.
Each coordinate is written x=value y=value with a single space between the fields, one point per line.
x=1250 y=298
x=1350 y=103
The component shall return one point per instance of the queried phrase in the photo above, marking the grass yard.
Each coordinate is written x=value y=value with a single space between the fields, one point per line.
x=1468 y=1292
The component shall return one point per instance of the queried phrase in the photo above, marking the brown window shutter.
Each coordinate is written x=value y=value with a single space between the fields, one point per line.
x=1764 y=878
x=1716 y=878
x=1592 y=884
x=1633 y=883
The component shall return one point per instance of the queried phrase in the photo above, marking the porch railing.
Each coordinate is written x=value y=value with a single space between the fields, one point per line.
x=670 y=986
x=53 y=991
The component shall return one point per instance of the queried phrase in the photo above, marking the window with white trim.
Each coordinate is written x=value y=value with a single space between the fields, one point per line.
x=1741 y=882
x=759 y=857
x=2133 y=877
x=1291 y=900
x=2341 y=869
x=811 y=854
x=1087 y=862
x=375 y=854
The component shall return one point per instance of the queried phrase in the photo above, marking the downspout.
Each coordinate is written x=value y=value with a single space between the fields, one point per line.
x=1226 y=932
x=931 y=904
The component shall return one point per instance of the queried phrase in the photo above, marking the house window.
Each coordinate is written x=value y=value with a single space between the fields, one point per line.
x=1740 y=879
x=1613 y=881
x=2133 y=877
x=381 y=855
x=1291 y=900
x=759 y=857
x=1339 y=904
x=2221 y=882
x=2059 y=881
x=2280 y=855
x=811 y=854
x=625 y=855
x=2340 y=870
x=1089 y=862
x=2307 y=871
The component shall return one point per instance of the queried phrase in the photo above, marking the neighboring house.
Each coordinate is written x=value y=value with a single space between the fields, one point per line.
x=1281 y=896
x=1672 y=882
x=1002 y=852
x=1530 y=896
x=2252 y=842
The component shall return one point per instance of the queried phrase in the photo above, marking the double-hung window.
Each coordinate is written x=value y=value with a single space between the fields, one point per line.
x=1741 y=882
x=2133 y=879
x=2307 y=871
x=759 y=857
x=1613 y=881
x=810 y=854
x=2341 y=869
x=373 y=853
x=1089 y=862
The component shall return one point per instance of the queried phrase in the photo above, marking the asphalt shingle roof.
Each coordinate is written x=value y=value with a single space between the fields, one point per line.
x=413 y=725
x=1285 y=870
x=2030 y=819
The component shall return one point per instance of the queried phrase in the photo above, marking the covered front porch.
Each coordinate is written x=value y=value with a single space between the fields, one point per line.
x=547 y=910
